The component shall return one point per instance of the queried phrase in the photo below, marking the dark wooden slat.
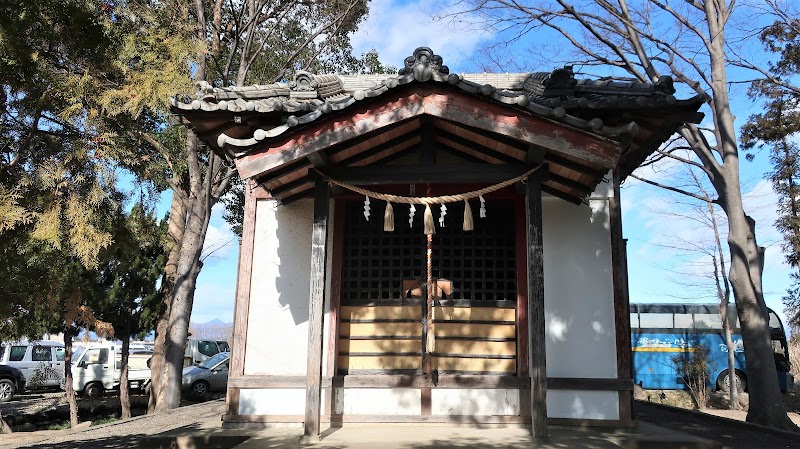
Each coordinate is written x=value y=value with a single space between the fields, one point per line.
x=319 y=239
x=474 y=321
x=376 y=149
x=619 y=263
x=591 y=384
x=283 y=171
x=460 y=154
x=536 y=325
x=433 y=174
x=258 y=381
x=379 y=354
x=307 y=193
x=574 y=166
x=474 y=356
x=559 y=194
x=501 y=304
x=278 y=191
x=494 y=339
x=583 y=189
x=479 y=148
x=338 y=148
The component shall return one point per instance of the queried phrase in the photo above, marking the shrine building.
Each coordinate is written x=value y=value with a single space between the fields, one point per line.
x=432 y=247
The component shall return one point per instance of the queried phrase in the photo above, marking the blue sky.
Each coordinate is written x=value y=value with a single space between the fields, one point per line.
x=659 y=272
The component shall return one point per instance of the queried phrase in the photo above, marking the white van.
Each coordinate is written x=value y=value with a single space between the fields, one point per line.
x=97 y=369
x=198 y=350
x=41 y=362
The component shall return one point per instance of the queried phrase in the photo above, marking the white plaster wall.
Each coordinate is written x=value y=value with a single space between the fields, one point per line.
x=475 y=402
x=579 y=303
x=379 y=401
x=582 y=404
x=277 y=331
x=272 y=402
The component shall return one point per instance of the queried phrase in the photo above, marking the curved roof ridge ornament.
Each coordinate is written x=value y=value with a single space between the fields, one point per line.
x=303 y=86
x=424 y=64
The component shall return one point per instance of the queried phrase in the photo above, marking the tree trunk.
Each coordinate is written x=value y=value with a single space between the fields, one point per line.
x=73 y=403
x=177 y=225
x=766 y=405
x=124 y=388
x=733 y=392
x=177 y=325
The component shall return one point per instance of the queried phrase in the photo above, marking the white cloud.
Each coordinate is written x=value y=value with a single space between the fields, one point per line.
x=395 y=28
x=220 y=239
x=213 y=300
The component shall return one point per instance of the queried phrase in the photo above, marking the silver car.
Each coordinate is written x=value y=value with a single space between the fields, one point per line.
x=211 y=375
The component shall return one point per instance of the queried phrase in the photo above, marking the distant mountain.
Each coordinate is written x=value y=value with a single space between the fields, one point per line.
x=215 y=322
x=215 y=329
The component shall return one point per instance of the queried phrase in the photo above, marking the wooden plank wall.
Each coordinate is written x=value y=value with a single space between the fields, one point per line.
x=385 y=339
x=380 y=339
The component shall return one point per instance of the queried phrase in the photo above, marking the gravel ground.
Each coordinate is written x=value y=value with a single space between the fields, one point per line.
x=126 y=434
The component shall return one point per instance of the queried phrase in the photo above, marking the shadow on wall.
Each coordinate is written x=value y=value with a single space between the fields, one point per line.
x=293 y=224
x=578 y=284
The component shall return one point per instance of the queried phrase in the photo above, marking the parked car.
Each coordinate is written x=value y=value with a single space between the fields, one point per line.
x=211 y=375
x=198 y=350
x=12 y=382
x=41 y=362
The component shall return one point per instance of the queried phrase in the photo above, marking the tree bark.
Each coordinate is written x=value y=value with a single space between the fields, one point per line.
x=177 y=225
x=124 y=388
x=189 y=248
x=73 y=403
x=745 y=272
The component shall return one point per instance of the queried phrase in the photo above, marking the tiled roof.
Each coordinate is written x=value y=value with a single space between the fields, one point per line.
x=555 y=95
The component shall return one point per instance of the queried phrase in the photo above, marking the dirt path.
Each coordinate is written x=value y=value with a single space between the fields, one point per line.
x=116 y=435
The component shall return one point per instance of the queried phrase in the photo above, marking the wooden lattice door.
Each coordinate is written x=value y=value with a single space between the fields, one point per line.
x=382 y=327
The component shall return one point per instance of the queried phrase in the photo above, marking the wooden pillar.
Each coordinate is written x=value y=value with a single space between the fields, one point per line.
x=252 y=193
x=619 y=263
x=536 y=330
x=319 y=239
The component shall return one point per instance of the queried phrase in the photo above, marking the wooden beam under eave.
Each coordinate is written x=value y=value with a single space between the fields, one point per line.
x=319 y=244
x=433 y=174
x=417 y=101
x=536 y=325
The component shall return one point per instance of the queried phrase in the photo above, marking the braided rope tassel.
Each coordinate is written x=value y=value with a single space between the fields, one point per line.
x=388 y=218
x=469 y=224
x=430 y=228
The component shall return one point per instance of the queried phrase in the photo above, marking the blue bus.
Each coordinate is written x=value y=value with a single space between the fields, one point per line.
x=660 y=332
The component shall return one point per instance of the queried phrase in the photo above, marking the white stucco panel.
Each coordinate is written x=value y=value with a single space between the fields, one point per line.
x=379 y=401
x=272 y=401
x=475 y=402
x=578 y=289
x=277 y=333
x=582 y=404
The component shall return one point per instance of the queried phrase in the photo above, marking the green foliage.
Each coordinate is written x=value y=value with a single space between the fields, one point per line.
x=774 y=129
x=71 y=91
